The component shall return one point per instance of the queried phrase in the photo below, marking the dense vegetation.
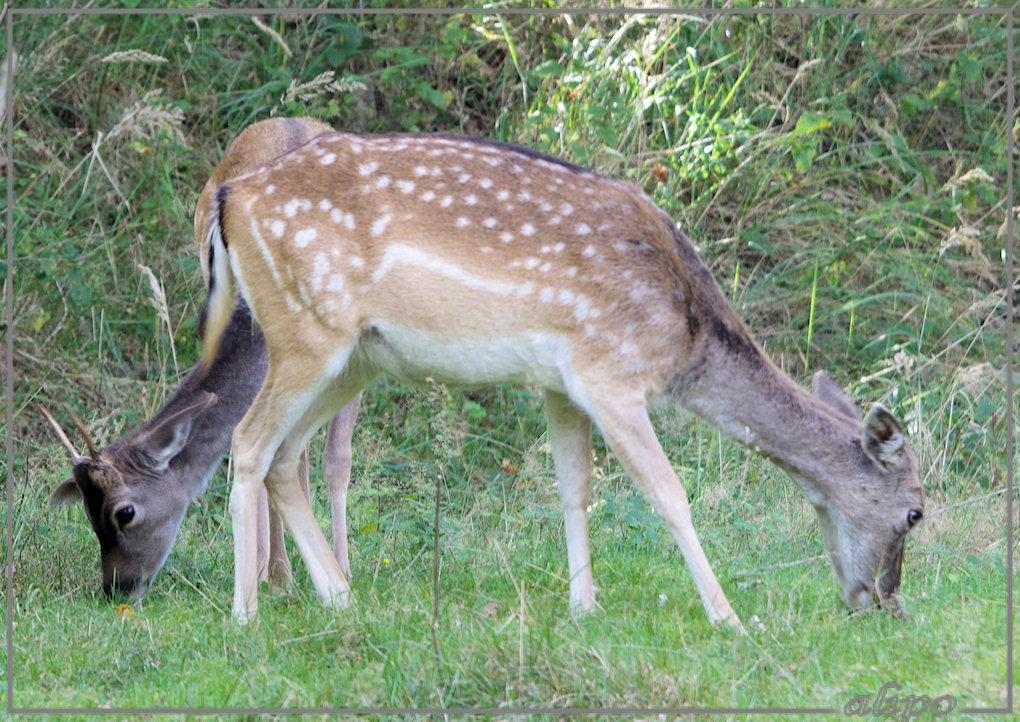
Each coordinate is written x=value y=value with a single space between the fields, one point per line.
x=845 y=178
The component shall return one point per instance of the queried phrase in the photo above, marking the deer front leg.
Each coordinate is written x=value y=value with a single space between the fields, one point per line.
x=627 y=428
x=244 y=513
x=570 y=441
x=336 y=462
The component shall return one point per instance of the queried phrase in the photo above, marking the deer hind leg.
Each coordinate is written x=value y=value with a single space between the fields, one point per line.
x=336 y=463
x=570 y=439
x=265 y=544
x=626 y=426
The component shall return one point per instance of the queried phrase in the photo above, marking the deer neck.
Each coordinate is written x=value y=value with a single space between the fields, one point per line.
x=235 y=378
x=749 y=399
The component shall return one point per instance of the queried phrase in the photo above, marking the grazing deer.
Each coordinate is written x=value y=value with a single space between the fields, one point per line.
x=137 y=489
x=473 y=262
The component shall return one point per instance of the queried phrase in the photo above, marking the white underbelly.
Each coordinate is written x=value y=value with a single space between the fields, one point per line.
x=412 y=355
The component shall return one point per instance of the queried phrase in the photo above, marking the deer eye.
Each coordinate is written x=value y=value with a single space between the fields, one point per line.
x=124 y=515
x=914 y=516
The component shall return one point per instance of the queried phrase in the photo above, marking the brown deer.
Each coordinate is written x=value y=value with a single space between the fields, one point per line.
x=137 y=489
x=472 y=262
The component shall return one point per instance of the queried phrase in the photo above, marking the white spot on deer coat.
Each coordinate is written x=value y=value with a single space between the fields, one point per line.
x=490 y=222
x=325 y=205
x=582 y=229
x=320 y=267
x=405 y=186
x=304 y=236
x=368 y=168
x=328 y=159
x=379 y=225
x=528 y=229
x=383 y=182
x=278 y=228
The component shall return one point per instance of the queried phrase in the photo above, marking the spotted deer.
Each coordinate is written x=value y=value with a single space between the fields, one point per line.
x=471 y=262
x=137 y=489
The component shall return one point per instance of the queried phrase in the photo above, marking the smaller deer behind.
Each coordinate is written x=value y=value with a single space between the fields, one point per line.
x=472 y=262
x=137 y=489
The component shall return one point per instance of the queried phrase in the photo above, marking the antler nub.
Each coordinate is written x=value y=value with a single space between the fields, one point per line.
x=75 y=456
x=78 y=424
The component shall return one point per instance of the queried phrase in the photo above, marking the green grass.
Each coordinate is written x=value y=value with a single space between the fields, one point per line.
x=844 y=178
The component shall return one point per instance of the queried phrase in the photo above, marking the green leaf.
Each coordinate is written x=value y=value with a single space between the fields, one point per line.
x=811 y=123
x=549 y=67
x=803 y=154
x=972 y=70
x=440 y=99
x=608 y=135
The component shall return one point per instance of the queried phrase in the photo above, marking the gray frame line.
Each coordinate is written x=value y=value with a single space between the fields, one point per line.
x=1007 y=13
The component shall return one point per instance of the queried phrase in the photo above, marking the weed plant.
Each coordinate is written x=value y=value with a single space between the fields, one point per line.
x=844 y=177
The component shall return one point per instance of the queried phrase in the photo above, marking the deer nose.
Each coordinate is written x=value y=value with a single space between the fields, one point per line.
x=119 y=588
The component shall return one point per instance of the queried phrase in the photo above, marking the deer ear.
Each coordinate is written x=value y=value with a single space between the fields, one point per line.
x=65 y=494
x=828 y=391
x=168 y=436
x=883 y=437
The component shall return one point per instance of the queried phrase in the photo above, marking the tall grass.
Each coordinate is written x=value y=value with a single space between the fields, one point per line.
x=844 y=178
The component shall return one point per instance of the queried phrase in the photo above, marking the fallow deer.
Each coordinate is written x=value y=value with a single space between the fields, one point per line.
x=137 y=489
x=472 y=262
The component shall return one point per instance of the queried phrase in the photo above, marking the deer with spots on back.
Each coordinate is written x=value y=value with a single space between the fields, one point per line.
x=136 y=490
x=473 y=262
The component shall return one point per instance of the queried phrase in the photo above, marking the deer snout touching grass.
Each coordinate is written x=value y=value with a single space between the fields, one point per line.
x=472 y=262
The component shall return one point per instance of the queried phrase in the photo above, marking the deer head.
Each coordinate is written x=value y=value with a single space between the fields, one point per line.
x=131 y=498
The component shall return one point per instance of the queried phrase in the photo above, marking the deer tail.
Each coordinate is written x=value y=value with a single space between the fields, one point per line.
x=219 y=304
